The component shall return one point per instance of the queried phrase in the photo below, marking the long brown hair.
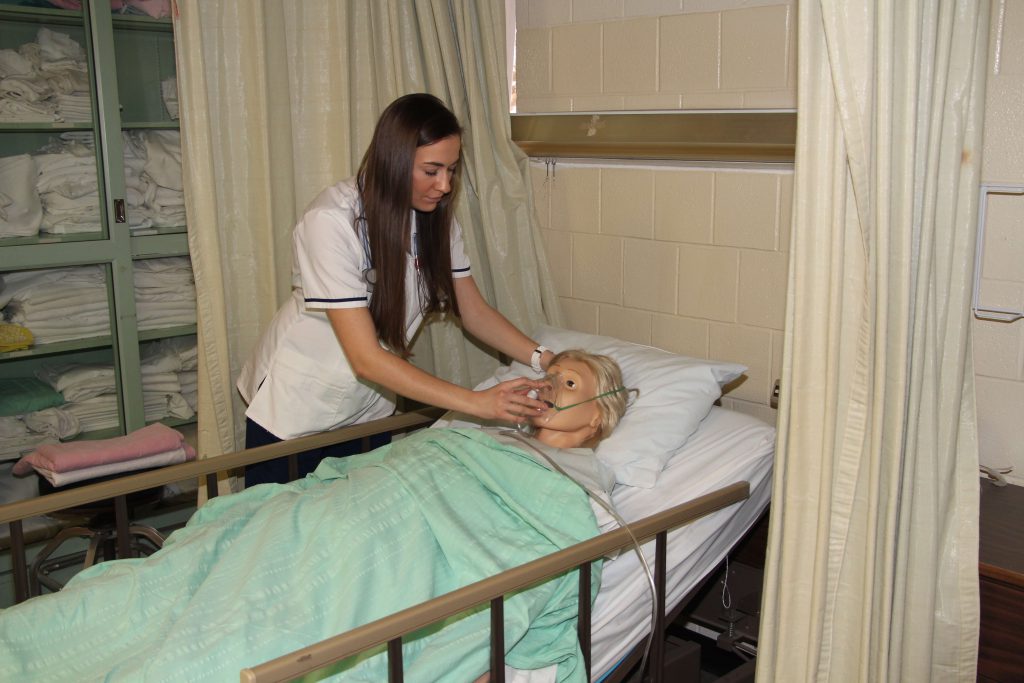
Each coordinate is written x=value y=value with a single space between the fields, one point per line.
x=385 y=188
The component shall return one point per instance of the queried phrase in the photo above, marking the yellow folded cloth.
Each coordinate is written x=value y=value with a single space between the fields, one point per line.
x=14 y=337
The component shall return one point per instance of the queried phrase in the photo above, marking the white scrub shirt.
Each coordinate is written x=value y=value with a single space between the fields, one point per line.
x=298 y=380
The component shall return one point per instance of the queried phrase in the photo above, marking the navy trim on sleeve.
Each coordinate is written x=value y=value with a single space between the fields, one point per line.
x=335 y=301
x=461 y=270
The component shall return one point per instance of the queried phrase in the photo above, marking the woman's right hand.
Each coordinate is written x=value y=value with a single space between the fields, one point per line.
x=508 y=401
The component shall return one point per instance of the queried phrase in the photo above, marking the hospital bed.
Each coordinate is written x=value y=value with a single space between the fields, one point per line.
x=718 y=475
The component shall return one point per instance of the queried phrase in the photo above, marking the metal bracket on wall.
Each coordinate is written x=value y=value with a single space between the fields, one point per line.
x=1003 y=315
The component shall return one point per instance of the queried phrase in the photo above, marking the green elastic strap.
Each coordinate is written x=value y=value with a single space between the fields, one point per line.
x=573 y=405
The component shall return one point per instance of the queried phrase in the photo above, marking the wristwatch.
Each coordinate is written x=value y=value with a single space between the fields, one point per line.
x=538 y=353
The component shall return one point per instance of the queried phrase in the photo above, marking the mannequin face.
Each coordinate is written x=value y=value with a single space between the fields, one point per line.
x=432 y=172
x=573 y=382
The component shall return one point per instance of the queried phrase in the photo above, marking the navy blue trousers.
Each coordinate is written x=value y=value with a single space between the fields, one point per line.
x=276 y=471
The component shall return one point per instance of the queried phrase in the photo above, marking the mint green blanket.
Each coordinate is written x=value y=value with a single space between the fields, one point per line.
x=260 y=573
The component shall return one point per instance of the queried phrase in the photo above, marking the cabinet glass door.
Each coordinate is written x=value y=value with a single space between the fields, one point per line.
x=58 y=368
x=148 y=97
x=51 y=187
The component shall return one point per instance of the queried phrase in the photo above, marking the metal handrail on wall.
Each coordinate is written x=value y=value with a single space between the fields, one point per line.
x=1003 y=315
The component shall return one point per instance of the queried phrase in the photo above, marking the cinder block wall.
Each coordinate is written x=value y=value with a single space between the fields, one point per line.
x=686 y=259
x=689 y=259
x=616 y=55
x=999 y=346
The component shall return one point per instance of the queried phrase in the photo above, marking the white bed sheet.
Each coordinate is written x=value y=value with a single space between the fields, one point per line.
x=728 y=447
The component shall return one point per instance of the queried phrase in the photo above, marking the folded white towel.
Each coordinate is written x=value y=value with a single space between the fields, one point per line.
x=25 y=88
x=55 y=46
x=55 y=422
x=13 y=63
x=22 y=211
x=18 y=111
x=169 y=92
x=163 y=158
x=78 y=382
x=158 y=460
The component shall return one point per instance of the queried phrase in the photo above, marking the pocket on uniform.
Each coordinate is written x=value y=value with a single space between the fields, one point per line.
x=303 y=396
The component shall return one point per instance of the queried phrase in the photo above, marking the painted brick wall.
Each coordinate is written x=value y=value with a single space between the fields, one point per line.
x=689 y=259
x=615 y=55
x=999 y=347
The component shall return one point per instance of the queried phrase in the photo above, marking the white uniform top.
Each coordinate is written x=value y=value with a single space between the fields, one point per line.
x=298 y=380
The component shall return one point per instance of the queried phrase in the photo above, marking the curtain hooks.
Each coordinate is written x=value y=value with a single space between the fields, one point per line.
x=549 y=170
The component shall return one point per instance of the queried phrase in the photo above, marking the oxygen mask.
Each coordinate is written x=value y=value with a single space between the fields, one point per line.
x=564 y=391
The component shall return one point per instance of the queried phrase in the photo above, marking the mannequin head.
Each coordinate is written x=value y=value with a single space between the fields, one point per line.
x=587 y=398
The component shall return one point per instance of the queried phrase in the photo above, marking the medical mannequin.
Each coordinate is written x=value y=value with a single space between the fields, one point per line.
x=586 y=400
x=249 y=568
x=373 y=256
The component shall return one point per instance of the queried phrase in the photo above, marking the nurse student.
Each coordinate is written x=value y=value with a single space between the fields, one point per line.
x=372 y=255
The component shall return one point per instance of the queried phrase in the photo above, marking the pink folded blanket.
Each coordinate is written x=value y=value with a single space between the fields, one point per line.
x=76 y=455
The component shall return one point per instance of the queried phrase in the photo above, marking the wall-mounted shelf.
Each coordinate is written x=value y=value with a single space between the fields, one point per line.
x=706 y=136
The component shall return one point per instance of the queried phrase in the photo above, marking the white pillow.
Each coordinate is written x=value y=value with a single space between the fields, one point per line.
x=676 y=393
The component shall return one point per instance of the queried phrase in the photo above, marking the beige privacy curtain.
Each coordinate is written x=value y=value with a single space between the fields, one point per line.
x=872 y=560
x=279 y=99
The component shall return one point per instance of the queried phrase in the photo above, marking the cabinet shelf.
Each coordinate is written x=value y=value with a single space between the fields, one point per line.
x=150 y=125
x=98 y=434
x=177 y=421
x=36 y=15
x=45 y=126
x=89 y=343
x=44 y=238
x=83 y=344
x=138 y=22
x=167 y=242
x=165 y=332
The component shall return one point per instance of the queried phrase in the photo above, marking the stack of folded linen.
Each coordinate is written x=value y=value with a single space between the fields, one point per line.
x=21 y=211
x=155 y=445
x=55 y=190
x=57 y=304
x=188 y=376
x=89 y=392
x=68 y=187
x=169 y=92
x=30 y=415
x=153 y=176
x=165 y=292
x=161 y=381
x=21 y=434
x=47 y=80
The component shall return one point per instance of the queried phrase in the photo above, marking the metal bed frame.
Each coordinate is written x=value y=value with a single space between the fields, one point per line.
x=390 y=629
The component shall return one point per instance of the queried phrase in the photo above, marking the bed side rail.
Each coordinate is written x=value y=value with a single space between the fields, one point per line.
x=118 y=489
x=390 y=629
